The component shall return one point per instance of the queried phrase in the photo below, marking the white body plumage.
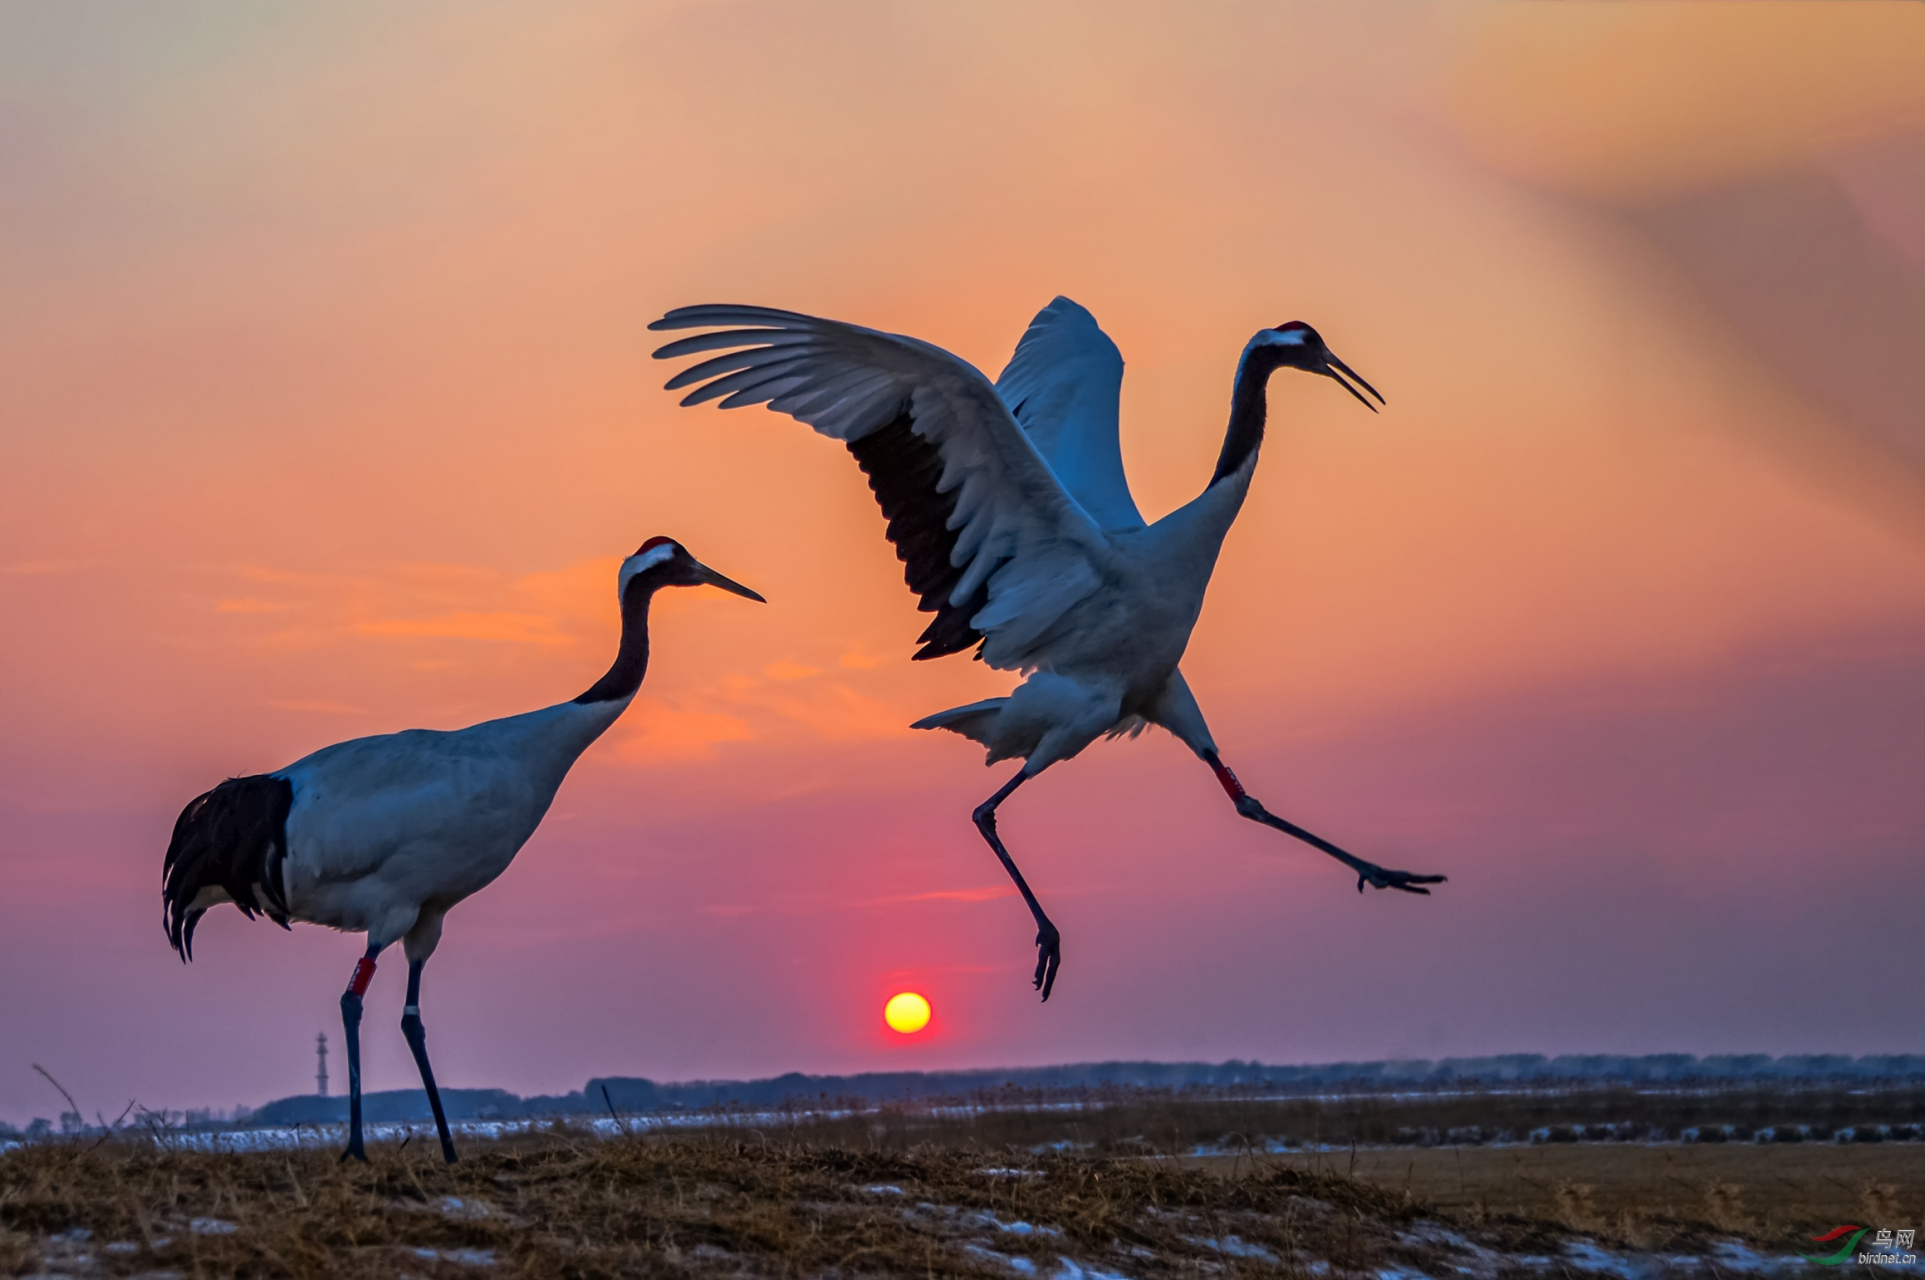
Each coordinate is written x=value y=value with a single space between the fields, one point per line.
x=387 y=833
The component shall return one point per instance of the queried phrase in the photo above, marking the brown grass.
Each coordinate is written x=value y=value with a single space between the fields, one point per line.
x=564 y=1204
x=922 y=1192
x=1772 y=1194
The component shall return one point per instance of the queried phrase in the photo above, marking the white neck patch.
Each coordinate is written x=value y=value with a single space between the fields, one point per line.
x=1294 y=339
x=647 y=560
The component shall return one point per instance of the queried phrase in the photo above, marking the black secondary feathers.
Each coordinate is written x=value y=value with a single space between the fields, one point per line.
x=231 y=839
x=903 y=469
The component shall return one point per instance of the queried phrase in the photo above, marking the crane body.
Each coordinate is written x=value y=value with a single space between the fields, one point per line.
x=389 y=828
x=1113 y=655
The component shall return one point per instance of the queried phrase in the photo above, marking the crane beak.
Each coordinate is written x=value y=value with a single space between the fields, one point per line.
x=714 y=579
x=1338 y=370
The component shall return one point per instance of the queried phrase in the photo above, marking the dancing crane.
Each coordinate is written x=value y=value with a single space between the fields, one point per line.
x=383 y=835
x=1008 y=506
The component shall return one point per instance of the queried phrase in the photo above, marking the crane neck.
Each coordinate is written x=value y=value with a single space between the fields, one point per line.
x=624 y=675
x=1249 y=408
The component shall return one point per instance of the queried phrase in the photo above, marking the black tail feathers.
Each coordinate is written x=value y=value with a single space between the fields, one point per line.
x=230 y=840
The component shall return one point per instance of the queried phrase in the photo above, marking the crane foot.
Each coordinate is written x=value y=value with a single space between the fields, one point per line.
x=1368 y=873
x=1049 y=958
x=1378 y=877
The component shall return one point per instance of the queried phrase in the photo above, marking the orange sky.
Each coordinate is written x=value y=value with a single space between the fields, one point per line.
x=326 y=409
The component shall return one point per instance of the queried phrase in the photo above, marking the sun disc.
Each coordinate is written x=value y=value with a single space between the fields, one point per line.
x=906 y=1012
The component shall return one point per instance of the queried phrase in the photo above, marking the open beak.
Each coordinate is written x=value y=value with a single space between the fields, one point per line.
x=715 y=579
x=1337 y=369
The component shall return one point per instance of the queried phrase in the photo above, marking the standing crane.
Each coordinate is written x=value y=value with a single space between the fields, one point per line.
x=1008 y=506
x=383 y=835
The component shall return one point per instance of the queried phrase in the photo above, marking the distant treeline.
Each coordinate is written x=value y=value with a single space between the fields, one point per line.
x=632 y=1094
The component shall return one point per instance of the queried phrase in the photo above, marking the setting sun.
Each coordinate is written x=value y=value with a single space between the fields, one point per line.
x=906 y=1012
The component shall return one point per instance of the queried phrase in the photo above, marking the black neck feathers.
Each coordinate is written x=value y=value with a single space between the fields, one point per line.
x=624 y=675
x=1248 y=408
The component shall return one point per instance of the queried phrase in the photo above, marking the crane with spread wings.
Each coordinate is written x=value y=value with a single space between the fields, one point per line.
x=1008 y=506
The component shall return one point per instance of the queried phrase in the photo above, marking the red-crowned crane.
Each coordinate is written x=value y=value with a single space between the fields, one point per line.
x=383 y=835
x=1008 y=506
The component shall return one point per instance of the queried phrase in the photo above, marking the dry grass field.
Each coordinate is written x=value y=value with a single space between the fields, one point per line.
x=1143 y=1186
x=1773 y=1195
x=565 y=1204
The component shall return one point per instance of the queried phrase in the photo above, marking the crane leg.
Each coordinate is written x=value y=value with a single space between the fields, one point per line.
x=351 y=1032
x=1049 y=943
x=417 y=1037
x=1367 y=872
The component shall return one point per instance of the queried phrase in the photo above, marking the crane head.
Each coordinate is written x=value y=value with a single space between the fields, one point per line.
x=664 y=562
x=1298 y=346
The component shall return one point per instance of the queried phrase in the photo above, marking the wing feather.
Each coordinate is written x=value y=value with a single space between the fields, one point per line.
x=1064 y=385
x=990 y=540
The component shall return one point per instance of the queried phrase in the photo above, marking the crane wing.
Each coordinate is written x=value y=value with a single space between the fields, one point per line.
x=1064 y=384
x=990 y=540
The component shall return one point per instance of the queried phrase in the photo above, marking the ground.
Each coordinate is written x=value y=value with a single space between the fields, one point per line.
x=1048 y=1191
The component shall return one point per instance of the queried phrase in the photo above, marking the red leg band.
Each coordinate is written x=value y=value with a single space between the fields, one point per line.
x=1228 y=779
x=363 y=975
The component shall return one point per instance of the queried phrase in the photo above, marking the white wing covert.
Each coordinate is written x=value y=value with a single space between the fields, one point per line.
x=1064 y=385
x=990 y=540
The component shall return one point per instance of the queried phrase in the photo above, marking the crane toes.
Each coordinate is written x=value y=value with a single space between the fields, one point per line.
x=1049 y=958
x=1379 y=878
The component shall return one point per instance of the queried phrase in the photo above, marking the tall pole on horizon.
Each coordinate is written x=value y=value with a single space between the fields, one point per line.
x=321 y=1064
